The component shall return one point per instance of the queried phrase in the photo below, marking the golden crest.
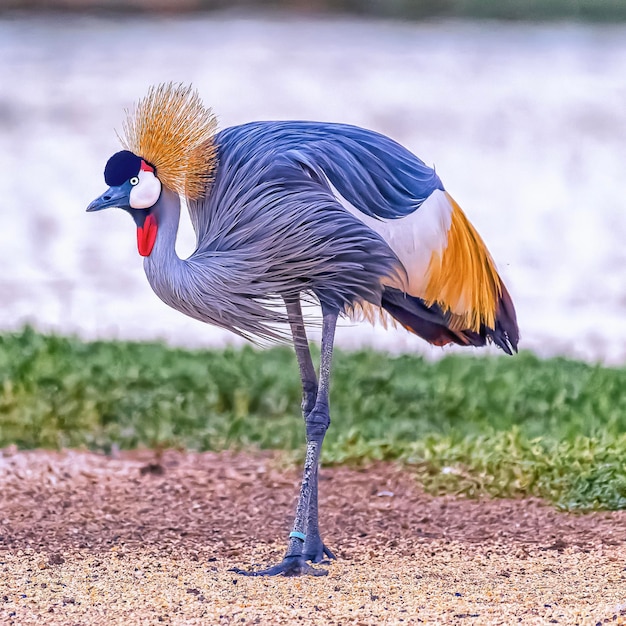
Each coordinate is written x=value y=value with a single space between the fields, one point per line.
x=172 y=130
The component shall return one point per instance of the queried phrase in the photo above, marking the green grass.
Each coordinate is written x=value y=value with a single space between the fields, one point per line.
x=533 y=10
x=608 y=11
x=536 y=10
x=473 y=425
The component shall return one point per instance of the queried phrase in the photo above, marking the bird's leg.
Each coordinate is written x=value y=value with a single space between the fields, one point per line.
x=317 y=423
x=314 y=549
x=304 y=540
x=303 y=354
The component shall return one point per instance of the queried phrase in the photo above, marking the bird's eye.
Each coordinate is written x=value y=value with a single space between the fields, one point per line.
x=134 y=180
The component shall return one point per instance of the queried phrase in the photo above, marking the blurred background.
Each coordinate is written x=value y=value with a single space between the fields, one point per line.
x=521 y=107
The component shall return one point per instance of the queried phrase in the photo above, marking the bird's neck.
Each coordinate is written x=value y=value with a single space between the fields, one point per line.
x=167 y=214
x=163 y=265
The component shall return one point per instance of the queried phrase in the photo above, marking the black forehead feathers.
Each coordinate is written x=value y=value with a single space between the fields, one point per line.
x=120 y=167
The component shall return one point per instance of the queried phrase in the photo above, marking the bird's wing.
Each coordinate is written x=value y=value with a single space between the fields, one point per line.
x=387 y=188
x=403 y=200
x=369 y=170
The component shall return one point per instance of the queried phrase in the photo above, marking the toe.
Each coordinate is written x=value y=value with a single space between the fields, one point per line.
x=290 y=566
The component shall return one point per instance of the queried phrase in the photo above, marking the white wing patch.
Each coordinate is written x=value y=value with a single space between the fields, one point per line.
x=414 y=238
x=446 y=261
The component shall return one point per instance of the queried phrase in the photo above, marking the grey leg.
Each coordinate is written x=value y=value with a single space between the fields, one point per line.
x=303 y=354
x=304 y=540
x=317 y=423
x=314 y=549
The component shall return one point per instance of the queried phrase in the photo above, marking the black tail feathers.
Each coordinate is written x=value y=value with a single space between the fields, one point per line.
x=431 y=323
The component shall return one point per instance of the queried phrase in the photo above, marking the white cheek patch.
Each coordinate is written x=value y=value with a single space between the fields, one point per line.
x=145 y=194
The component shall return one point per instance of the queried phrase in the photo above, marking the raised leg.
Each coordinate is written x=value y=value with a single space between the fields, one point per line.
x=304 y=540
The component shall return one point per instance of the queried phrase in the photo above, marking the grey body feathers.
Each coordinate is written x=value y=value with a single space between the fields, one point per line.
x=268 y=229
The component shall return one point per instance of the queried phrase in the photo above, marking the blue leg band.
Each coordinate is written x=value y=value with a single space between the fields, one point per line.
x=295 y=533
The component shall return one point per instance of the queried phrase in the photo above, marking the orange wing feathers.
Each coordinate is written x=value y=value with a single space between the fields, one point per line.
x=451 y=291
x=462 y=278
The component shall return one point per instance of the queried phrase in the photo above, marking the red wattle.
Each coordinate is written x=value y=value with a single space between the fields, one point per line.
x=146 y=236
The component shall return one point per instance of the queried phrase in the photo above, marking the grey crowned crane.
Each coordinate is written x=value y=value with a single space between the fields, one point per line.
x=285 y=210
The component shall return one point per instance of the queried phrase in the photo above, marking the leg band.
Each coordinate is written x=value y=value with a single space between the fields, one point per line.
x=295 y=533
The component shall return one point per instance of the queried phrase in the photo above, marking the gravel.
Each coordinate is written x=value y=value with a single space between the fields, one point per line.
x=148 y=539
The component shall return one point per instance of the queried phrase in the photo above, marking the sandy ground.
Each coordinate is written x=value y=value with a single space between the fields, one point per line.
x=525 y=123
x=88 y=539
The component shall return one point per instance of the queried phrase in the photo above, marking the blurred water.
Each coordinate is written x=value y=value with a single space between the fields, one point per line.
x=526 y=125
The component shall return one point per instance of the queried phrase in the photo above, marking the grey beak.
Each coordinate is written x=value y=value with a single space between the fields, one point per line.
x=112 y=197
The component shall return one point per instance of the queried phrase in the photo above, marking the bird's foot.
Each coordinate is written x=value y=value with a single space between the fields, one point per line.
x=316 y=552
x=290 y=566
